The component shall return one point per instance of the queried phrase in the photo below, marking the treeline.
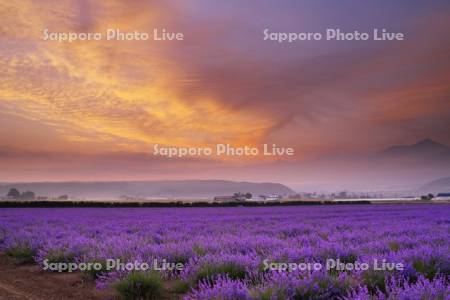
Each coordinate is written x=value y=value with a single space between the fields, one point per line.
x=15 y=195
x=164 y=204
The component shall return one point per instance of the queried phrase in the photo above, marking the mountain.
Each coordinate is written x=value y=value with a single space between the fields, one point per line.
x=424 y=149
x=441 y=185
x=186 y=189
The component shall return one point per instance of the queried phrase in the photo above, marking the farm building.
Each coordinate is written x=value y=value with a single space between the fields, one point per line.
x=442 y=196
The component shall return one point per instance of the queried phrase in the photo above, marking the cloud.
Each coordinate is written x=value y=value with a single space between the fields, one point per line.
x=111 y=90
x=223 y=84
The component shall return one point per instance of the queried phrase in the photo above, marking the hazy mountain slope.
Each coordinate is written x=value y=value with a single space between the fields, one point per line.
x=395 y=168
x=441 y=185
x=164 y=189
x=424 y=149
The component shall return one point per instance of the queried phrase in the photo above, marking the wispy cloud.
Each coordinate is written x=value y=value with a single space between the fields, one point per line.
x=223 y=84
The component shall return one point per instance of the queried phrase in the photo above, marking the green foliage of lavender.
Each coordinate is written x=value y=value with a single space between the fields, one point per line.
x=140 y=286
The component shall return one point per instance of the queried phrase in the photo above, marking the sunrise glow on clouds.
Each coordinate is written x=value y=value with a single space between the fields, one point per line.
x=222 y=84
x=128 y=93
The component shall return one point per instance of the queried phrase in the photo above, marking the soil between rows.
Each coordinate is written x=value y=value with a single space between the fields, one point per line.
x=31 y=282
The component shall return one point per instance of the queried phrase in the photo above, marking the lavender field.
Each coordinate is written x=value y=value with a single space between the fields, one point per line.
x=245 y=253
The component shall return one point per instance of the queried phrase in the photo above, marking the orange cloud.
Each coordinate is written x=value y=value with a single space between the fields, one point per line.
x=124 y=93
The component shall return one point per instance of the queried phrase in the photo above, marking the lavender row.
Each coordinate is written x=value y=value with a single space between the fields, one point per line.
x=250 y=253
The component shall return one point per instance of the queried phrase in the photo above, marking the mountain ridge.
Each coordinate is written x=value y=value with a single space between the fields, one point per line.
x=424 y=149
x=147 y=188
x=441 y=185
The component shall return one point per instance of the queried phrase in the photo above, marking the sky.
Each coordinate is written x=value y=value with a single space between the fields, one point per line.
x=92 y=110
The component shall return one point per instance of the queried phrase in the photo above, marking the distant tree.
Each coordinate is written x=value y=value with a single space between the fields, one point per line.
x=13 y=193
x=63 y=197
x=427 y=197
x=239 y=196
x=248 y=195
x=343 y=195
x=28 y=195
